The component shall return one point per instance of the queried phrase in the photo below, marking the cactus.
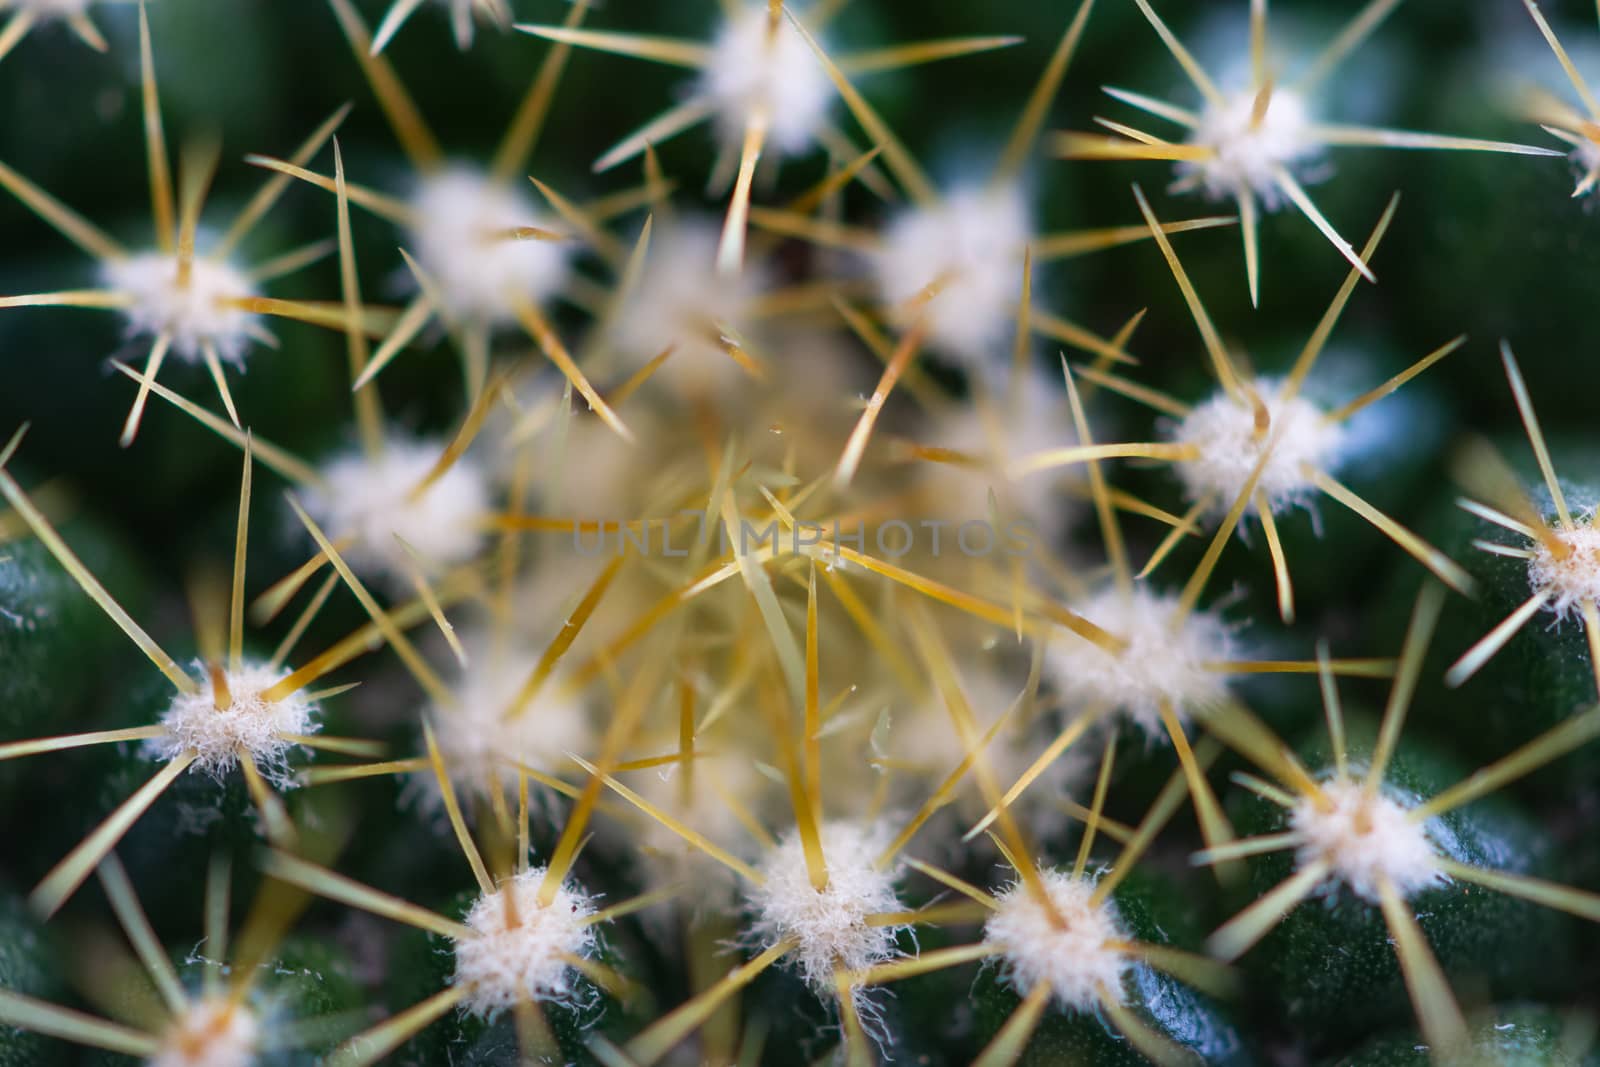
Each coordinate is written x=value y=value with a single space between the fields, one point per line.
x=691 y=590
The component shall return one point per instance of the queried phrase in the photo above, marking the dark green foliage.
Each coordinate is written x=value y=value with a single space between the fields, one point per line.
x=29 y=965
x=58 y=648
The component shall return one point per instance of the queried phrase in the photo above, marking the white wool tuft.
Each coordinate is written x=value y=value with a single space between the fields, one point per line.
x=479 y=738
x=193 y=722
x=209 y=1033
x=972 y=244
x=1366 y=839
x=747 y=72
x=680 y=299
x=369 y=500
x=505 y=964
x=1224 y=430
x=461 y=241
x=1248 y=153
x=191 y=314
x=1585 y=157
x=1160 y=663
x=1573 y=580
x=830 y=926
x=1075 y=956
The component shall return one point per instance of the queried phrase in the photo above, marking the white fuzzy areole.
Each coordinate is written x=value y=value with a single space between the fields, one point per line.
x=1585 y=157
x=748 y=72
x=1075 y=956
x=830 y=926
x=1571 y=581
x=1248 y=153
x=1224 y=430
x=680 y=299
x=370 y=501
x=461 y=240
x=1365 y=840
x=1159 y=664
x=193 y=722
x=209 y=1033
x=505 y=964
x=479 y=738
x=972 y=243
x=191 y=314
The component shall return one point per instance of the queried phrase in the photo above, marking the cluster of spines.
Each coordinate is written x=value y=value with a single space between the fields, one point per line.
x=395 y=517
